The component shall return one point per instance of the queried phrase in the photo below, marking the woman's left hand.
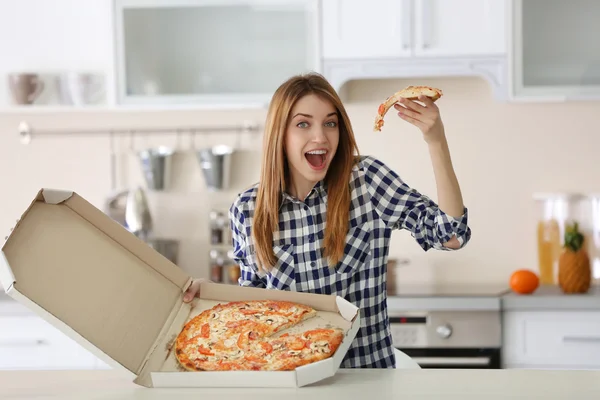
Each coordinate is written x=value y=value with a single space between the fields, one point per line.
x=426 y=117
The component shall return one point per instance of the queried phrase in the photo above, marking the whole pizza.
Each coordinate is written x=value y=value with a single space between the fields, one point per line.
x=253 y=335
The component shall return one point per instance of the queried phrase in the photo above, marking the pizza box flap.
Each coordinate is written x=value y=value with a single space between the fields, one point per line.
x=91 y=278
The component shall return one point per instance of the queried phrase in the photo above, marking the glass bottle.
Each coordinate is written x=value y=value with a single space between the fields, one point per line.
x=590 y=227
x=555 y=210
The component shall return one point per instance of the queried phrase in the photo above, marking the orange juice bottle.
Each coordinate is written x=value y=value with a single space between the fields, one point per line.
x=549 y=246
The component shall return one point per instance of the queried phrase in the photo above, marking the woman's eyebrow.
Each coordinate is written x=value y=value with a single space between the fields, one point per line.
x=310 y=116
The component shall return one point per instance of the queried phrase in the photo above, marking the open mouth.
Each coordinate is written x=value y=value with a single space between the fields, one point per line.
x=316 y=158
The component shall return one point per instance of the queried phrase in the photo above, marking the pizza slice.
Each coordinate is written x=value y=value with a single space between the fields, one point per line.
x=411 y=93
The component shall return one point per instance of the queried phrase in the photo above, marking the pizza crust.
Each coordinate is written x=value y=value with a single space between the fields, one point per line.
x=411 y=93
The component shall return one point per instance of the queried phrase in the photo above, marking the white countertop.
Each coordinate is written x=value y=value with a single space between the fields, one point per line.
x=361 y=384
x=551 y=298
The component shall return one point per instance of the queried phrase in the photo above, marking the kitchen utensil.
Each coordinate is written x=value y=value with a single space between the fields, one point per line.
x=137 y=214
x=169 y=248
x=156 y=166
x=115 y=205
x=219 y=224
x=25 y=88
x=81 y=88
x=216 y=166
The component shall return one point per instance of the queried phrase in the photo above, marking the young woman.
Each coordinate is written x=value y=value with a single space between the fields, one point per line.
x=321 y=218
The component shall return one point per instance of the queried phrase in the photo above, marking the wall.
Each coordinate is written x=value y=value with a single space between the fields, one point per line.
x=502 y=154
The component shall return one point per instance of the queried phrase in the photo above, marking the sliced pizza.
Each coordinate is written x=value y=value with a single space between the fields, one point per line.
x=411 y=93
x=246 y=336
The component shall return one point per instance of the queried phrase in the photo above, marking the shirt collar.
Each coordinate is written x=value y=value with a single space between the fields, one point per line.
x=319 y=190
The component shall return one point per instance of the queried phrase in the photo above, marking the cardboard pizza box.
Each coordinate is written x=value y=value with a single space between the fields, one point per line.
x=99 y=284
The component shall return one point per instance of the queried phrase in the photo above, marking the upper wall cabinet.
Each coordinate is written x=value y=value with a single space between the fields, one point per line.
x=555 y=50
x=212 y=52
x=414 y=38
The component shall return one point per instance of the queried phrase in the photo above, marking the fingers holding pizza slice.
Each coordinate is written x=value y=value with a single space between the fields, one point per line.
x=409 y=92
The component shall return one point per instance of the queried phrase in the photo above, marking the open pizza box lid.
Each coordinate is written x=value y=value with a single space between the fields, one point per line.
x=106 y=289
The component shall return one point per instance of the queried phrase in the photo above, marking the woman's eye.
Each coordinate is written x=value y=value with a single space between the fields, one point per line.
x=331 y=124
x=302 y=125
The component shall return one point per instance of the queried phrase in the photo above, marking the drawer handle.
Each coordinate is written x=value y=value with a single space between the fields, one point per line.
x=16 y=343
x=584 y=339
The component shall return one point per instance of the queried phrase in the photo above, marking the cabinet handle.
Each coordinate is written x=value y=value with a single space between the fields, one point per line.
x=583 y=339
x=18 y=343
x=406 y=23
x=426 y=23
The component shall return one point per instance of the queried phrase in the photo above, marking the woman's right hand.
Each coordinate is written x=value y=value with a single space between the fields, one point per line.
x=193 y=290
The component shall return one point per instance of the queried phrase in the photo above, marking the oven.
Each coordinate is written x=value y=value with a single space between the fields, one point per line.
x=449 y=339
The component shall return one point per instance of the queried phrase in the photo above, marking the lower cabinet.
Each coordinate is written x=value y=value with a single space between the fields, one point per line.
x=551 y=339
x=29 y=342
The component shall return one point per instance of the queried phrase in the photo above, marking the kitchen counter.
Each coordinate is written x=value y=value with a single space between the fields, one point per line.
x=551 y=298
x=346 y=384
x=441 y=297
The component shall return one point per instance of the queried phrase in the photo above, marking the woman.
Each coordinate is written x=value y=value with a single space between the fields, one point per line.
x=321 y=218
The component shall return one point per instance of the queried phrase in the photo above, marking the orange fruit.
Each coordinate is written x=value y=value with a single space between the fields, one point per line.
x=524 y=281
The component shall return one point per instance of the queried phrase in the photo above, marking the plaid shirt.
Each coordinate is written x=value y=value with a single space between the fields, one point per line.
x=380 y=203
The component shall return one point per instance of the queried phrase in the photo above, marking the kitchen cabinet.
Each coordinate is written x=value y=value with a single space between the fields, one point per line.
x=364 y=30
x=27 y=342
x=551 y=339
x=412 y=28
x=459 y=27
x=413 y=39
x=555 y=53
x=212 y=52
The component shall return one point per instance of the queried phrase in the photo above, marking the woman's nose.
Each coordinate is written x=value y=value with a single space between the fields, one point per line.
x=319 y=135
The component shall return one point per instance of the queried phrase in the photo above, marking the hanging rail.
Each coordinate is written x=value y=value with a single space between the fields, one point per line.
x=26 y=132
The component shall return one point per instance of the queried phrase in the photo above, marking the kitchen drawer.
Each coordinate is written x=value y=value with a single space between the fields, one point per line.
x=550 y=338
x=29 y=342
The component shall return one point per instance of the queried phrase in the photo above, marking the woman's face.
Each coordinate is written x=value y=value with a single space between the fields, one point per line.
x=311 y=141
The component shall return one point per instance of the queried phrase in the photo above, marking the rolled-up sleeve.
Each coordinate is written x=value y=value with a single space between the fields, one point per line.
x=248 y=272
x=401 y=207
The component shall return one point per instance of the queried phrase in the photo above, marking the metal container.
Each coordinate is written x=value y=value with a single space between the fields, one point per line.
x=156 y=166
x=137 y=214
x=216 y=166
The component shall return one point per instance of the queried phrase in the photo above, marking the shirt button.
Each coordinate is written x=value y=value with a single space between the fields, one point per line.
x=313 y=264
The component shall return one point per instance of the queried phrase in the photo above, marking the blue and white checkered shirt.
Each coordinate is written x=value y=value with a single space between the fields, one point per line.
x=380 y=203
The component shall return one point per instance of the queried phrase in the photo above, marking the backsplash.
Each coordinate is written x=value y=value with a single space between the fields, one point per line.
x=502 y=153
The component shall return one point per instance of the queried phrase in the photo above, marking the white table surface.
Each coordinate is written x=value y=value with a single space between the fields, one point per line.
x=361 y=384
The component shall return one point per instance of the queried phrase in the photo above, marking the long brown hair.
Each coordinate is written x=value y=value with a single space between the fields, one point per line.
x=273 y=176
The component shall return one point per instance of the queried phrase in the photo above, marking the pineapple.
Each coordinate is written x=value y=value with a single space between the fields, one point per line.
x=574 y=270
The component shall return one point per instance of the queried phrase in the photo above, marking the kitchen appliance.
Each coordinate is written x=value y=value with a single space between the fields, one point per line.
x=448 y=326
x=156 y=166
x=216 y=166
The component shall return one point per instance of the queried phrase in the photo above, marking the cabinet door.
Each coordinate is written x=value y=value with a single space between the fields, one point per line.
x=366 y=29
x=556 y=51
x=207 y=51
x=29 y=342
x=460 y=27
x=552 y=339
